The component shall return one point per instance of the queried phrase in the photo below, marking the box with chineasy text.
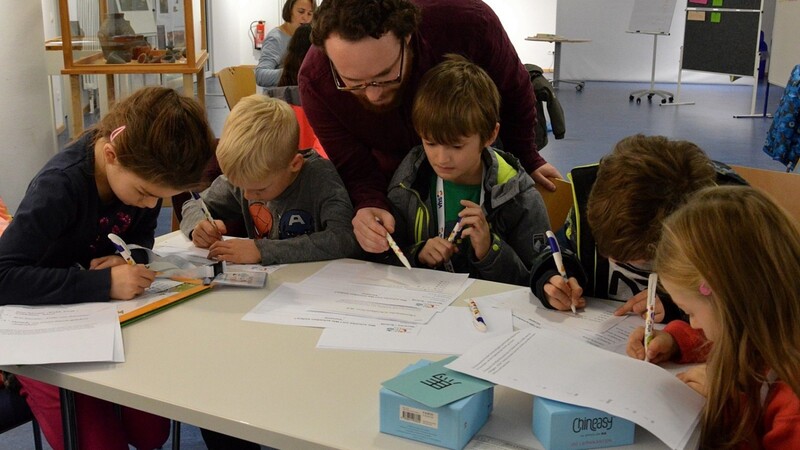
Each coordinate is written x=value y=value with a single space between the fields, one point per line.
x=561 y=425
x=451 y=425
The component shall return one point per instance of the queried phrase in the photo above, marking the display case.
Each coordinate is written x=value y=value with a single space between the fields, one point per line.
x=114 y=37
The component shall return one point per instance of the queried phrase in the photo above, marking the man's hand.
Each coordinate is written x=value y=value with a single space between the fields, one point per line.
x=371 y=233
x=541 y=175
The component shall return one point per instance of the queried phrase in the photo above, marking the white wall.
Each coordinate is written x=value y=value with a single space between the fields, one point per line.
x=523 y=18
x=612 y=55
x=230 y=22
x=26 y=123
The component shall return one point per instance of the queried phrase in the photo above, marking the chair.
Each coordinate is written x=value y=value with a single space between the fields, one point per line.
x=237 y=82
x=783 y=187
x=558 y=203
x=14 y=411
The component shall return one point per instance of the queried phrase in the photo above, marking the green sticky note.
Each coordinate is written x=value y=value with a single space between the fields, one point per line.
x=716 y=3
x=435 y=385
x=715 y=17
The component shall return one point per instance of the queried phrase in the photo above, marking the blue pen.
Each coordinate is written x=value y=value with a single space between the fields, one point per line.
x=205 y=210
x=559 y=263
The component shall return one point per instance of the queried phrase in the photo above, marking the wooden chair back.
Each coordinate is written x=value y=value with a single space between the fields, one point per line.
x=558 y=203
x=237 y=82
x=783 y=187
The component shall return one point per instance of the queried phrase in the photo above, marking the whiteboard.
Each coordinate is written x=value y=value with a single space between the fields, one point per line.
x=785 y=51
x=652 y=16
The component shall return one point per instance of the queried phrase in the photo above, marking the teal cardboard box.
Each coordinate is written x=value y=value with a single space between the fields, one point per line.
x=561 y=425
x=451 y=425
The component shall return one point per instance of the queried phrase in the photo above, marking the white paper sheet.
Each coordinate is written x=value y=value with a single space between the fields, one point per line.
x=448 y=284
x=288 y=305
x=160 y=289
x=450 y=332
x=595 y=324
x=350 y=289
x=544 y=363
x=60 y=334
x=179 y=245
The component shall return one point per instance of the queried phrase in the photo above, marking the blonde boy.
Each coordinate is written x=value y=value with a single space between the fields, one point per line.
x=294 y=205
x=456 y=177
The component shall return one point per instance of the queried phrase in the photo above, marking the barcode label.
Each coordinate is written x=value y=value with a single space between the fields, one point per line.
x=419 y=416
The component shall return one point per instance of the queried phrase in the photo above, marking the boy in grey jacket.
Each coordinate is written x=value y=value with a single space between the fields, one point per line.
x=460 y=204
x=294 y=204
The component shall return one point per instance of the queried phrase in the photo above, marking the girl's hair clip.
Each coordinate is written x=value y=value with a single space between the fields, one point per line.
x=116 y=133
x=704 y=289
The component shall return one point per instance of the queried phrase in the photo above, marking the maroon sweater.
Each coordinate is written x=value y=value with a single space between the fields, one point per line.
x=367 y=147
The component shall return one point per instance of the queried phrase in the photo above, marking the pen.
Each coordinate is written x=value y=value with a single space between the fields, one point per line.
x=652 y=282
x=456 y=230
x=559 y=263
x=122 y=248
x=205 y=210
x=477 y=318
x=395 y=248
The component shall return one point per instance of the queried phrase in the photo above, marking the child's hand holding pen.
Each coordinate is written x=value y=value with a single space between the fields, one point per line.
x=661 y=348
x=475 y=227
x=128 y=281
x=207 y=232
x=565 y=293
x=562 y=294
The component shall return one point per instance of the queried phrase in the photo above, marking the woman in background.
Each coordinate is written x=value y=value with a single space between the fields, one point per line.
x=269 y=68
x=295 y=52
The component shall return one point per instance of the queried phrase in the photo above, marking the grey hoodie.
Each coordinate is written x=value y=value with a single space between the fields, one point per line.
x=311 y=218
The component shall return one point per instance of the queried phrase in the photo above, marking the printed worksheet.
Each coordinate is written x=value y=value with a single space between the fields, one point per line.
x=81 y=332
x=549 y=364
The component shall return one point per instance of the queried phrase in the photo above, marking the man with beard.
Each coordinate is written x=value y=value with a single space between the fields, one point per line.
x=358 y=82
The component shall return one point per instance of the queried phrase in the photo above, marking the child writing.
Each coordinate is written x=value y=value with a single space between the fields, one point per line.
x=151 y=145
x=456 y=178
x=294 y=204
x=616 y=221
x=730 y=259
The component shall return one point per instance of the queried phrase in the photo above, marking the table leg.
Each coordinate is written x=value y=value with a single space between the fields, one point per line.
x=556 y=64
x=69 y=421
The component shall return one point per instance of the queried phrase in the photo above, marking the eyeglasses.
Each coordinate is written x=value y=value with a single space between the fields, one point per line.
x=340 y=84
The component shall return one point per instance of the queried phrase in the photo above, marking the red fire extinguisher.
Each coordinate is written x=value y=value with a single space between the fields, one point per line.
x=257 y=33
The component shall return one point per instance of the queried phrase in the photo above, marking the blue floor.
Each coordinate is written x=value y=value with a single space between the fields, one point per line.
x=596 y=118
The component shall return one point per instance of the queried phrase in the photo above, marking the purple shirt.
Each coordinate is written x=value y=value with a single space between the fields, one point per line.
x=367 y=147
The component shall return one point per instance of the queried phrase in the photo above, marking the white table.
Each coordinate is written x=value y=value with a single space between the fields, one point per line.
x=199 y=363
x=558 y=40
